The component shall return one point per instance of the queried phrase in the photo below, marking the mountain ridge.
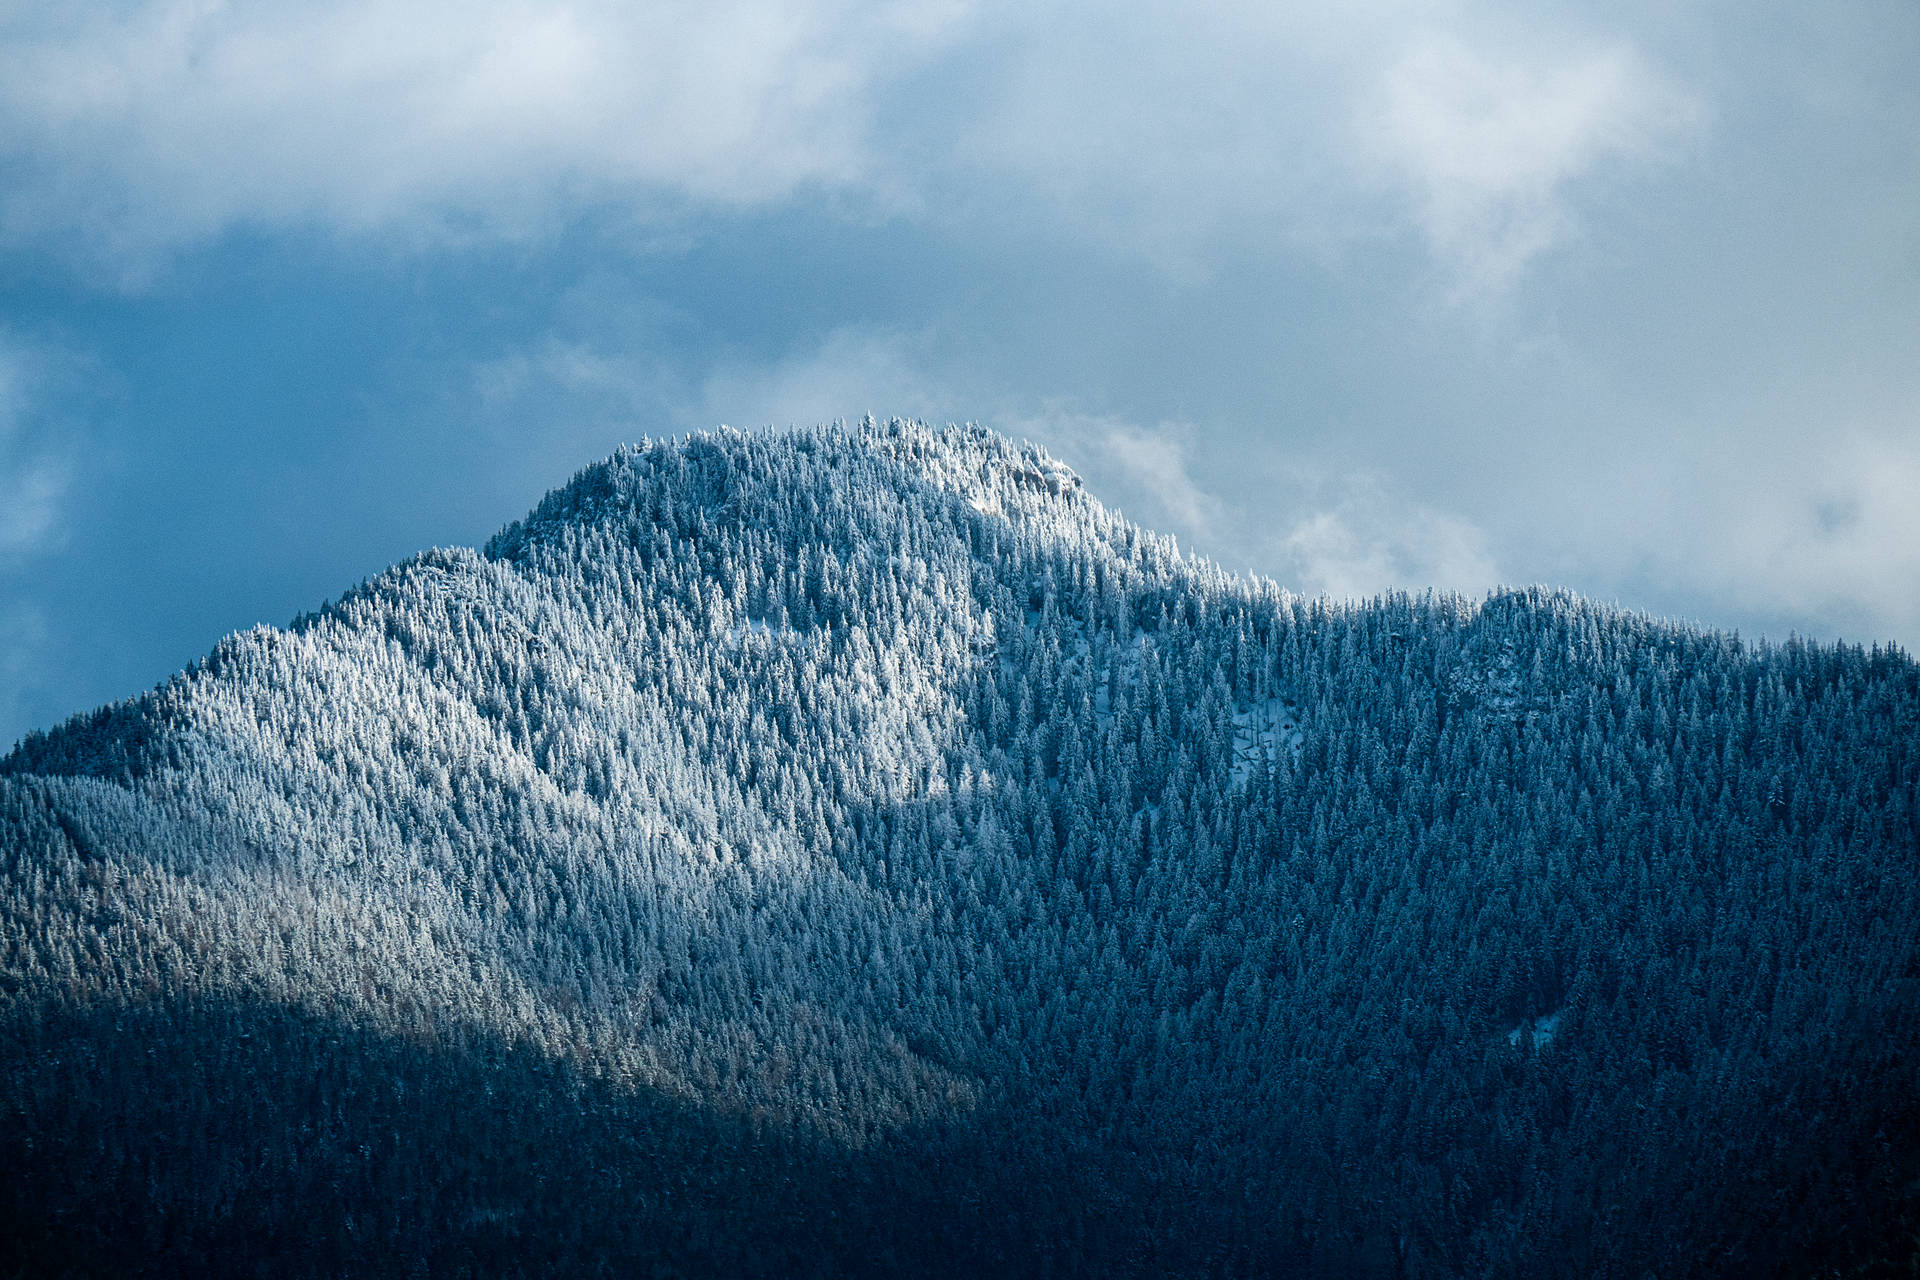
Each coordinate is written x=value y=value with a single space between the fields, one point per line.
x=872 y=797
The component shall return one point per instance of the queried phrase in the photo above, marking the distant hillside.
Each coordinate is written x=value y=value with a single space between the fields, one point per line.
x=857 y=851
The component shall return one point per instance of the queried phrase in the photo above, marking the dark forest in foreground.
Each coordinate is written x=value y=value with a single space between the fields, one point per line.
x=856 y=851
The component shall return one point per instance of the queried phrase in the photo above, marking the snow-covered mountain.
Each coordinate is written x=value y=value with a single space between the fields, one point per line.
x=856 y=850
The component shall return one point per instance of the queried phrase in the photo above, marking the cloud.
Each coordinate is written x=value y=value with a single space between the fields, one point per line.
x=1823 y=538
x=129 y=132
x=167 y=122
x=1487 y=142
x=1146 y=471
x=39 y=446
x=1345 y=533
x=30 y=494
x=852 y=372
x=36 y=460
x=631 y=386
x=1224 y=129
x=1372 y=536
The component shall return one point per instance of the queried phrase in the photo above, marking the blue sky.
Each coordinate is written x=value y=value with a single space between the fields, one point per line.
x=1624 y=298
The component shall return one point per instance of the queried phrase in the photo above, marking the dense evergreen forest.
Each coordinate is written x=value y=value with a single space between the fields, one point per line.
x=856 y=851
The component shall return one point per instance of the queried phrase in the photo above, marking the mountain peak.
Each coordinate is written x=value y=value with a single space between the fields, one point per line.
x=725 y=471
x=855 y=850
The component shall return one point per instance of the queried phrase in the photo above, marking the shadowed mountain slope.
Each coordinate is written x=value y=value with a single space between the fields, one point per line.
x=857 y=851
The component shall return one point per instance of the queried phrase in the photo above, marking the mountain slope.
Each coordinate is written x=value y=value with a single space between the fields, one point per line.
x=857 y=850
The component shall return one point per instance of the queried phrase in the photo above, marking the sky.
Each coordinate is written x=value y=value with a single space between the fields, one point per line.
x=1623 y=298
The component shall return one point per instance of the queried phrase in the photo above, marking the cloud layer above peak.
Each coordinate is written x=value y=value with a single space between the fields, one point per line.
x=172 y=121
x=132 y=132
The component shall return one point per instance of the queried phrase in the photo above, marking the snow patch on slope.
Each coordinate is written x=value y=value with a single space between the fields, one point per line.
x=1261 y=731
x=1536 y=1033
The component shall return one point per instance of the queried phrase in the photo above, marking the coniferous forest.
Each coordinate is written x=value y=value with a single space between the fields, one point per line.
x=855 y=851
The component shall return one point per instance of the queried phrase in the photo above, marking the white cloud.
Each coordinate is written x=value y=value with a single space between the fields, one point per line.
x=1344 y=534
x=166 y=122
x=1825 y=538
x=573 y=378
x=1487 y=141
x=1220 y=127
x=30 y=494
x=1372 y=537
x=157 y=124
x=37 y=465
x=1146 y=472
x=853 y=372
x=35 y=462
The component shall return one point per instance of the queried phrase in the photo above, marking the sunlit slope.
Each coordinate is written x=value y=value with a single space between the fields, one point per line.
x=865 y=817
